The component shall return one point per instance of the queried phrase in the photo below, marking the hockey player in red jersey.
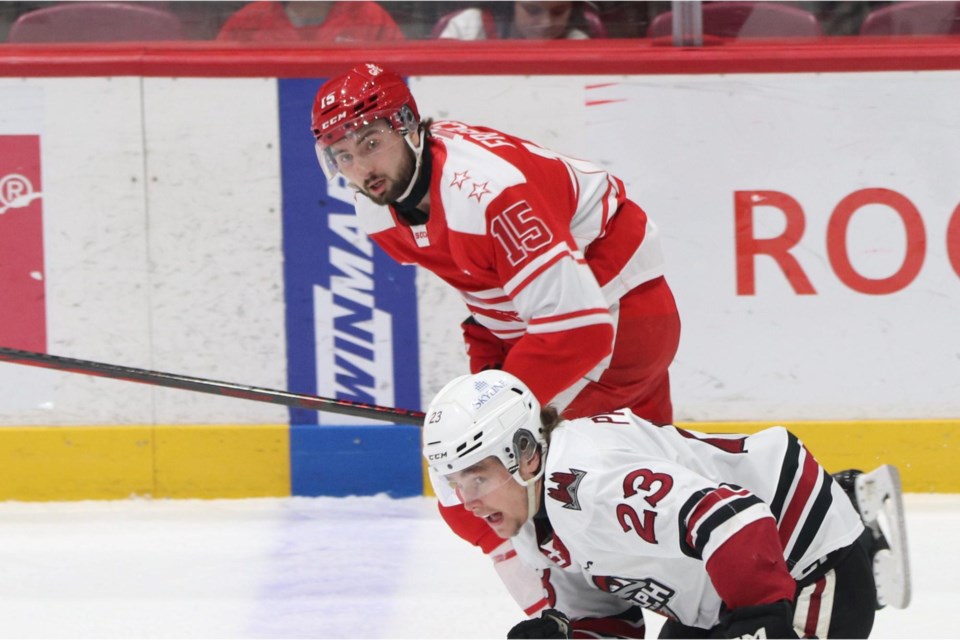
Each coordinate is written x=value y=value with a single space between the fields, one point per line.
x=726 y=535
x=561 y=272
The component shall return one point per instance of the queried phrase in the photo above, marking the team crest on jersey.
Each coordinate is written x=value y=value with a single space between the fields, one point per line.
x=566 y=490
x=647 y=592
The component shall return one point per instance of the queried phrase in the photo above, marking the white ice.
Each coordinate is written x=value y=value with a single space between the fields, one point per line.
x=316 y=568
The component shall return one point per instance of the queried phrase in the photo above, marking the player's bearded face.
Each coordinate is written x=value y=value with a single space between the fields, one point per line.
x=377 y=160
x=489 y=491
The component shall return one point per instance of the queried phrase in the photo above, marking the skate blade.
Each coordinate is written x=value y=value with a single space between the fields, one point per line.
x=881 y=506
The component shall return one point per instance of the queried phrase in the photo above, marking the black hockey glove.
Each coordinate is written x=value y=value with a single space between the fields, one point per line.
x=550 y=624
x=774 y=620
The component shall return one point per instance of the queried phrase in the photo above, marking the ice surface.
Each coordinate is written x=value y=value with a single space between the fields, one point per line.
x=315 y=568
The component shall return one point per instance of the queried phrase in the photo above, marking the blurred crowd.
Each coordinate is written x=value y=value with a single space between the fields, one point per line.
x=359 y=20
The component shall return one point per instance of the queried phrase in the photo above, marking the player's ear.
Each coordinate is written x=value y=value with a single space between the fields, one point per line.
x=415 y=134
x=530 y=463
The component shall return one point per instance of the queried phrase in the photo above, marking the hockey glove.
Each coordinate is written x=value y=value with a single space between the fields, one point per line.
x=550 y=624
x=626 y=625
x=774 y=620
x=485 y=350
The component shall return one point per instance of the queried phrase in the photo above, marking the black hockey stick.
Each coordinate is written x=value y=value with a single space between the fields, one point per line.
x=174 y=381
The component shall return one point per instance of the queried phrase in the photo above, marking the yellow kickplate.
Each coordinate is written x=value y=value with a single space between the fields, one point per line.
x=222 y=461
x=75 y=463
x=924 y=451
x=115 y=462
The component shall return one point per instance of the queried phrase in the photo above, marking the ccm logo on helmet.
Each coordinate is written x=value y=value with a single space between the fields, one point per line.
x=437 y=456
x=334 y=120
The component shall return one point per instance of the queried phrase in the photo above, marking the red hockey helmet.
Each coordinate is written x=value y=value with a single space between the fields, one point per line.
x=359 y=97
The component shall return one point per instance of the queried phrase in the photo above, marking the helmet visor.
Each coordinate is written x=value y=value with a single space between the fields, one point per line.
x=478 y=480
x=359 y=146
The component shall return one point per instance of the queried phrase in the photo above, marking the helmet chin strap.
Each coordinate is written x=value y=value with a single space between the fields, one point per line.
x=531 y=486
x=418 y=153
x=532 y=497
x=406 y=204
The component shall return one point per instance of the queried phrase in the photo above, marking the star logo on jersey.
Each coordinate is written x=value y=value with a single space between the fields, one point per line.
x=479 y=190
x=566 y=489
x=459 y=177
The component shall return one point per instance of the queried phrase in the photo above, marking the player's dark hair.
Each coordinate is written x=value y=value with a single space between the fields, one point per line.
x=549 y=418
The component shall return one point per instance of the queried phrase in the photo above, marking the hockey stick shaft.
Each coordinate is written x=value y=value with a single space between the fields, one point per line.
x=202 y=385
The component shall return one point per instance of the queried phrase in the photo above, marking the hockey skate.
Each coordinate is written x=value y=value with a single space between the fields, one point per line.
x=879 y=500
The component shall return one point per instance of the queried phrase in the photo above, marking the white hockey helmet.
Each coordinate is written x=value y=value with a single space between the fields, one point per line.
x=491 y=413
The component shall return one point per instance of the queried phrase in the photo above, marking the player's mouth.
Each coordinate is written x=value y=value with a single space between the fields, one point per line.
x=494 y=519
x=377 y=186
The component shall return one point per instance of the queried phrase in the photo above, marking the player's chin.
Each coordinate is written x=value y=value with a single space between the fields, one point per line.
x=386 y=197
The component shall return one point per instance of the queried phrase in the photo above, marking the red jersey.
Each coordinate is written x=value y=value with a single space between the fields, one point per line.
x=346 y=22
x=541 y=247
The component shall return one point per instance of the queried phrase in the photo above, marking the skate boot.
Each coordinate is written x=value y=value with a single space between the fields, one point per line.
x=878 y=499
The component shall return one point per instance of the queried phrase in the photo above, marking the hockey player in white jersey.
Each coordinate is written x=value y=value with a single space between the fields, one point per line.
x=726 y=535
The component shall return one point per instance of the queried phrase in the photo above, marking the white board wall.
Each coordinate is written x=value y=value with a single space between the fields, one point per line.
x=164 y=241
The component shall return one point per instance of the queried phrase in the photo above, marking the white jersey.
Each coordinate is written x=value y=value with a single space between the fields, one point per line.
x=638 y=510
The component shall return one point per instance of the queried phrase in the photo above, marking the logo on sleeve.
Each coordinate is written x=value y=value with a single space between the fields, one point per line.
x=647 y=592
x=566 y=490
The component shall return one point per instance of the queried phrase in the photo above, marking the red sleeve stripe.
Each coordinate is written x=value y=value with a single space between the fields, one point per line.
x=722 y=527
x=708 y=504
x=535 y=608
x=797 y=502
x=589 y=320
x=592 y=320
x=814 y=513
x=609 y=204
x=719 y=518
x=567 y=316
x=503 y=557
x=486 y=297
x=534 y=268
x=814 y=606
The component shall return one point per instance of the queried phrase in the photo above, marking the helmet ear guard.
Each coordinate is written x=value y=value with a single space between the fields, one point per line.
x=525 y=445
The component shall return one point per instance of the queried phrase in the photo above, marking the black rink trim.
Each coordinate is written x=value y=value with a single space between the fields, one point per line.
x=811 y=526
x=788 y=472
